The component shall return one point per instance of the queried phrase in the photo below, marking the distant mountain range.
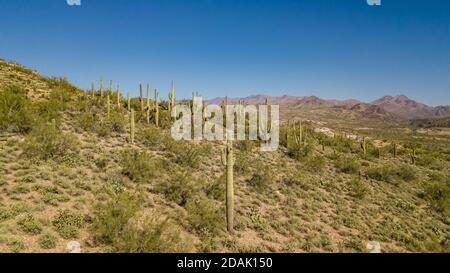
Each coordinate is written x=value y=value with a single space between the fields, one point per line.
x=388 y=107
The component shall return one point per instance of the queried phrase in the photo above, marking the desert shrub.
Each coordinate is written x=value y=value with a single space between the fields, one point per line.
x=185 y=153
x=12 y=211
x=179 y=187
x=406 y=172
x=118 y=223
x=47 y=241
x=262 y=178
x=15 y=112
x=347 y=164
x=381 y=173
x=205 y=216
x=315 y=163
x=139 y=166
x=217 y=189
x=357 y=188
x=110 y=218
x=48 y=142
x=392 y=175
x=300 y=152
x=29 y=225
x=242 y=163
x=429 y=161
x=245 y=145
x=438 y=195
x=68 y=223
x=151 y=137
x=117 y=121
x=153 y=233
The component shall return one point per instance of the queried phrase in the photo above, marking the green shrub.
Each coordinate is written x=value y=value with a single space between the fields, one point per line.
x=315 y=163
x=406 y=172
x=205 y=216
x=357 y=188
x=47 y=241
x=438 y=195
x=300 y=152
x=139 y=166
x=262 y=178
x=347 y=164
x=217 y=189
x=15 y=114
x=153 y=234
x=47 y=142
x=111 y=218
x=382 y=173
x=29 y=225
x=392 y=175
x=151 y=137
x=185 y=153
x=179 y=187
x=429 y=161
x=68 y=224
x=118 y=223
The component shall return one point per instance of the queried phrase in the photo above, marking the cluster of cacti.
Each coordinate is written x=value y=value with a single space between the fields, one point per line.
x=228 y=162
x=294 y=133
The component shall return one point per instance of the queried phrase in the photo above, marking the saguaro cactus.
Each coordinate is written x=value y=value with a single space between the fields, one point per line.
x=108 y=106
x=413 y=156
x=118 y=96
x=129 y=100
x=111 y=88
x=172 y=97
x=132 y=127
x=228 y=161
x=101 y=87
x=148 y=96
x=364 y=146
x=395 y=150
x=156 y=108
x=93 y=90
x=140 y=97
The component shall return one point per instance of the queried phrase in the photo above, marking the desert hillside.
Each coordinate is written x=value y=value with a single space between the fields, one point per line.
x=76 y=165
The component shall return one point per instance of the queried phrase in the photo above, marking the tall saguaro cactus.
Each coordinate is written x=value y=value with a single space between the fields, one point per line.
x=93 y=90
x=156 y=108
x=148 y=96
x=111 y=88
x=129 y=100
x=228 y=161
x=101 y=87
x=364 y=146
x=108 y=106
x=118 y=96
x=395 y=150
x=132 y=126
x=172 y=96
x=141 y=98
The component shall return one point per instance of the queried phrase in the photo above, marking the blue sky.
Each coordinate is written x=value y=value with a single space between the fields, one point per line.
x=328 y=48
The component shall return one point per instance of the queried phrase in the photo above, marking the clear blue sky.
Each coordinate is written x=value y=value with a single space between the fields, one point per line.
x=329 y=48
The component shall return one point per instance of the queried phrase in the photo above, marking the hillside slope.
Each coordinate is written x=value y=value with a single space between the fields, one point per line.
x=72 y=173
